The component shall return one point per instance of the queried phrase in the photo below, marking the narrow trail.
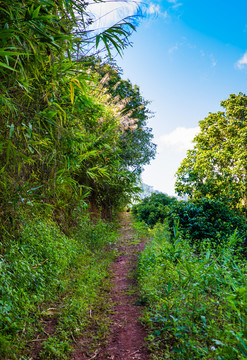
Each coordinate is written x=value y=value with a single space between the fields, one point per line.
x=126 y=340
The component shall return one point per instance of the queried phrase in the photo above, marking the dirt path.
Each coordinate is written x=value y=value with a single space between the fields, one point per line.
x=126 y=341
x=126 y=338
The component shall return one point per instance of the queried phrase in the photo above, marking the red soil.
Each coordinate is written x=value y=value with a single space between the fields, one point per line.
x=126 y=339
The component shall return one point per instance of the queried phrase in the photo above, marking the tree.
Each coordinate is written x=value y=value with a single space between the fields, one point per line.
x=50 y=116
x=137 y=148
x=154 y=208
x=130 y=146
x=217 y=166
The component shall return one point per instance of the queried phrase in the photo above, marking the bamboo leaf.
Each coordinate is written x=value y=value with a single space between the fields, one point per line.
x=7 y=67
x=36 y=12
x=72 y=92
x=11 y=130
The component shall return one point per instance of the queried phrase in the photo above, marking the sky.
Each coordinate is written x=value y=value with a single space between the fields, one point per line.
x=186 y=57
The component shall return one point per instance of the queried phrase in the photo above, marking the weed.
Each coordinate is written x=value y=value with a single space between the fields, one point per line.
x=54 y=348
x=196 y=303
x=47 y=275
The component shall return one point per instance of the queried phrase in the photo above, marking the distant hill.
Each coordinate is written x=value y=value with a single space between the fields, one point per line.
x=147 y=190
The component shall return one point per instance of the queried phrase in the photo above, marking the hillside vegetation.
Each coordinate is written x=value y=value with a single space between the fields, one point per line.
x=73 y=140
x=73 y=143
x=195 y=302
x=192 y=273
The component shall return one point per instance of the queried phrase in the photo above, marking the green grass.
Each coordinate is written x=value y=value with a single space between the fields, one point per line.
x=45 y=275
x=196 y=305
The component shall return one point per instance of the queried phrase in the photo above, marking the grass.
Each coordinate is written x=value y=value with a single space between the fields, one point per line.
x=196 y=304
x=54 y=290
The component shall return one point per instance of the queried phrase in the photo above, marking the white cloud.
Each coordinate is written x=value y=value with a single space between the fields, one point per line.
x=242 y=62
x=153 y=9
x=184 y=43
x=213 y=60
x=210 y=57
x=179 y=140
x=173 y=49
x=177 y=5
x=156 y=9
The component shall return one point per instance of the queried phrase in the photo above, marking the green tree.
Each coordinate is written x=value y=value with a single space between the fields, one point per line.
x=154 y=208
x=50 y=114
x=137 y=148
x=217 y=166
x=134 y=147
x=131 y=145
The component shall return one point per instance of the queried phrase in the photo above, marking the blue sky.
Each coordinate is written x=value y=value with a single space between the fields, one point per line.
x=186 y=57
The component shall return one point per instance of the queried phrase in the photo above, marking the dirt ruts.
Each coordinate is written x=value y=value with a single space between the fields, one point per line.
x=126 y=340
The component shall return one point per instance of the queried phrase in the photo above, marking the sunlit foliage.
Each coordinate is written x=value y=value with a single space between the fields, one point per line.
x=216 y=168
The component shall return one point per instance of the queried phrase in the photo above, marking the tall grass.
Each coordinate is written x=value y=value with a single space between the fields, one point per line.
x=46 y=275
x=196 y=304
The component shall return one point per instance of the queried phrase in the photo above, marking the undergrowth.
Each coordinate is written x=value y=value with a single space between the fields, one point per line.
x=49 y=285
x=196 y=304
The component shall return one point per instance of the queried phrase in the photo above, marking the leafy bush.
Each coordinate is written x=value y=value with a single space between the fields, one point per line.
x=201 y=219
x=31 y=270
x=208 y=219
x=95 y=234
x=38 y=268
x=154 y=208
x=196 y=304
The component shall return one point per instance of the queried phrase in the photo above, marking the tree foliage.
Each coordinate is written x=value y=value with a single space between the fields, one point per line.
x=136 y=144
x=217 y=166
x=209 y=219
x=200 y=220
x=61 y=133
x=154 y=208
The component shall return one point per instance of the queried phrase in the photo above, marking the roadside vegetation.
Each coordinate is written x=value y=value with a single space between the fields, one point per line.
x=195 y=302
x=192 y=276
x=199 y=220
x=192 y=273
x=54 y=289
x=73 y=140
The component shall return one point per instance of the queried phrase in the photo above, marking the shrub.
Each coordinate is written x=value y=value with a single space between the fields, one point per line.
x=208 y=219
x=31 y=272
x=40 y=266
x=196 y=305
x=201 y=219
x=154 y=208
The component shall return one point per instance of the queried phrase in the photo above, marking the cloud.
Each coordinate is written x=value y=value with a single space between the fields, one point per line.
x=156 y=9
x=179 y=140
x=210 y=57
x=242 y=62
x=173 y=49
x=184 y=43
x=213 y=60
x=177 y=5
x=153 y=8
